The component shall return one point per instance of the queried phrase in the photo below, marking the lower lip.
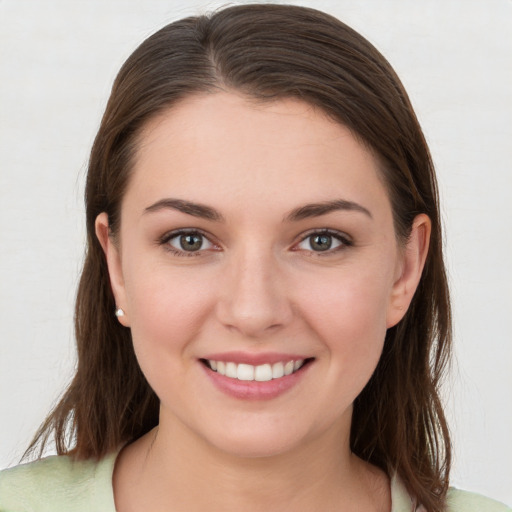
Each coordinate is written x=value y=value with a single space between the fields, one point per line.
x=254 y=390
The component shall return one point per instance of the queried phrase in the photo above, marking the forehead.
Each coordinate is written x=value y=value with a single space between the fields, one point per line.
x=217 y=120
x=222 y=147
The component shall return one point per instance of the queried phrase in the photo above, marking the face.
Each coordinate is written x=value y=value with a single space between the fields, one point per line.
x=258 y=269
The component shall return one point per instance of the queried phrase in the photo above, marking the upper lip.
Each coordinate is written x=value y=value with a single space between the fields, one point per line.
x=253 y=358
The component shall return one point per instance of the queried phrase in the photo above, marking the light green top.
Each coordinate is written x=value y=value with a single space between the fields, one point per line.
x=59 y=484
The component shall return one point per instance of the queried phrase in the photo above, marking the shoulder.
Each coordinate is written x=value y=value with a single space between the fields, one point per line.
x=456 y=500
x=57 y=483
x=463 y=501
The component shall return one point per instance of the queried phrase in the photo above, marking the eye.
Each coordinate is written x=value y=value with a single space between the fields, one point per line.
x=187 y=241
x=323 y=241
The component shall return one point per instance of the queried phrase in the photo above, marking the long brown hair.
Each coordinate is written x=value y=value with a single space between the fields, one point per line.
x=269 y=52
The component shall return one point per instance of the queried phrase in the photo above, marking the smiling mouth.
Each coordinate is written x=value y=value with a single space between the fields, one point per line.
x=260 y=373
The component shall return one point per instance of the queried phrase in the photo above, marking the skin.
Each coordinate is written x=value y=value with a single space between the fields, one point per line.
x=256 y=285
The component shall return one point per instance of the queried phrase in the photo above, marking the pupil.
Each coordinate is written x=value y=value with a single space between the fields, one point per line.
x=321 y=242
x=190 y=242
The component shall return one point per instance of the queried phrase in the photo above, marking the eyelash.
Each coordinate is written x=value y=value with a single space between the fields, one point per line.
x=181 y=232
x=340 y=237
x=344 y=240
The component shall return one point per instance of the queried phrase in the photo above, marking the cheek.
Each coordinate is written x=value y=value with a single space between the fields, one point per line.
x=167 y=310
x=352 y=301
x=348 y=314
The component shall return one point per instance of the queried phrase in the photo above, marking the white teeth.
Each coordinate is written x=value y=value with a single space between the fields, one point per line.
x=244 y=372
x=231 y=370
x=260 y=373
x=277 y=370
x=263 y=372
x=288 y=368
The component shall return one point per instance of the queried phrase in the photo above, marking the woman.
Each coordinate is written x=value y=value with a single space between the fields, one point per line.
x=263 y=220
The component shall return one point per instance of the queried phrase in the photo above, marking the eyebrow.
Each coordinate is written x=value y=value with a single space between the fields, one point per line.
x=302 y=212
x=323 y=208
x=197 y=210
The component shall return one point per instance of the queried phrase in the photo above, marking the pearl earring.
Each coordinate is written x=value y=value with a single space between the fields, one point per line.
x=119 y=312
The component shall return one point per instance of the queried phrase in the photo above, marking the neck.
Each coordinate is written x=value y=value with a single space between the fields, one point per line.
x=169 y=467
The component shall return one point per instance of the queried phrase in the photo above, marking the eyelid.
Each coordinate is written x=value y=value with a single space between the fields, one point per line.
x=346 y=240
x=165 y=239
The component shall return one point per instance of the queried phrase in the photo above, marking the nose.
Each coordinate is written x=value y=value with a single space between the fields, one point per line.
x=254 y=299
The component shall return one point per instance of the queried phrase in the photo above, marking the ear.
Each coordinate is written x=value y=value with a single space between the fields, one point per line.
x=115 y=270
x=410 y=269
